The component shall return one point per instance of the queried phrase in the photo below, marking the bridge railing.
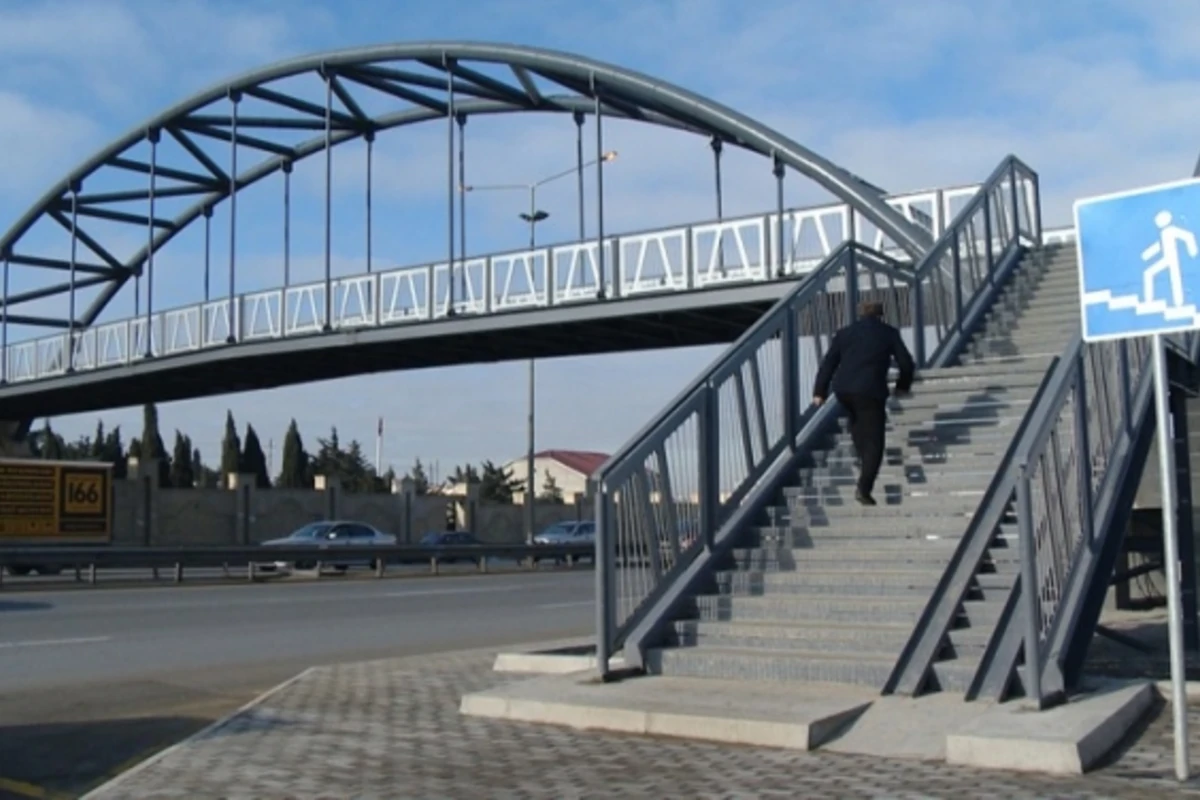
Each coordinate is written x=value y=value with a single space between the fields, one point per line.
x=682 y=487
x=1073 y=475
x=728 y=252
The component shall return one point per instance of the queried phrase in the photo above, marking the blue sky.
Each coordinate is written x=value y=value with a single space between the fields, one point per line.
x=1098 y=96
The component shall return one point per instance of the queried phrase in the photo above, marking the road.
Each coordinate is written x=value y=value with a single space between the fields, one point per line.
x=91 y=681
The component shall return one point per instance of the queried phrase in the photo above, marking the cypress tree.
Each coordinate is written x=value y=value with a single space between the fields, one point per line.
x=294 y=469
x=231 y=450
x=254 y=460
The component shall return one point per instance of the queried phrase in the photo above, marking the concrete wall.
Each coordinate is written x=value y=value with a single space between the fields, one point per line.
x=144 y=514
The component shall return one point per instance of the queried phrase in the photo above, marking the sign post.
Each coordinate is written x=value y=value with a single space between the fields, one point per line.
x=1133 y=250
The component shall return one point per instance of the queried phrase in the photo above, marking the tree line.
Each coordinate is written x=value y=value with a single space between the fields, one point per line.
x=185 y=467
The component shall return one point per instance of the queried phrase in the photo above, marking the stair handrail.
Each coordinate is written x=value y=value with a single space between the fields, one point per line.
x=990 y=210
x=681 y=528
x=939 y=300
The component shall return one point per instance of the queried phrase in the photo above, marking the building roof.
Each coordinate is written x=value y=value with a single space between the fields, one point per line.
x=582 y=461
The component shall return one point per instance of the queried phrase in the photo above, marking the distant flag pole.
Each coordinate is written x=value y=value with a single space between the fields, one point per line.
x=379 y=448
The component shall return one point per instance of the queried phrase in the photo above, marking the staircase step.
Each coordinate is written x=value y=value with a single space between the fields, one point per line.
x=824 y=583
x=822 y=510
x=770 y=665
x=859 y=527
x=792 y=635
x=969 y=641
x=1014 y=365
x=955 y=675
x=829 y=608
x=842 y=458
x=858 y=557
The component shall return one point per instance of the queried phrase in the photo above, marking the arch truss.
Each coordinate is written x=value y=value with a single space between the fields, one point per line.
x=189 y=163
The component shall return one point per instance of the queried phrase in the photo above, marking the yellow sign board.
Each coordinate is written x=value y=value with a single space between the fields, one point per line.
x=55 y=501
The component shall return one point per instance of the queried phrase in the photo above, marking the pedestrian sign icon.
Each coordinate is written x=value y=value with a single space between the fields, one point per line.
x=1139 y=262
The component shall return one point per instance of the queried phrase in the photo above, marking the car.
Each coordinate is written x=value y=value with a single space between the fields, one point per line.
x=567 y=532
x=435 y=543
x=327 y=536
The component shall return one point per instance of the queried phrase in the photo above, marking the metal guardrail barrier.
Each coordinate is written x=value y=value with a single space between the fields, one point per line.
x=251 y=558
x=691 y=477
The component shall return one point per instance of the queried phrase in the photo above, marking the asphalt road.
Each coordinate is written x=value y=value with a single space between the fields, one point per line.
x=93 y=681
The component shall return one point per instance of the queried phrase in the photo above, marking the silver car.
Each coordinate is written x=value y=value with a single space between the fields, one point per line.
x=328 y=536
x=567 y=532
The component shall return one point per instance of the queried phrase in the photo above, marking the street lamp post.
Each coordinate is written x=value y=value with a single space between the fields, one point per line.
x=532 y=217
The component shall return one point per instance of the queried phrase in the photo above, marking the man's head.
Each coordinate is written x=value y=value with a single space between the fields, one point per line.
x=872 y=308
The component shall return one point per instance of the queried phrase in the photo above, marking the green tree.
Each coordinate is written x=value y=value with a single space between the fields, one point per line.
x=551 y=493
x=294 y=472
x=347 y=467
x=114 y=453
x=496 y=484
x=151 y=444
x=183 y=474
x=231 y=450
x=205 y=476
x=465 y=474
x=99 y=440
x=254 y=460
x=419 y=477
x=50 y=445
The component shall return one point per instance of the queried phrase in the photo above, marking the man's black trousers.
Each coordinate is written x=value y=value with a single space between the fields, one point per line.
x=868 y=416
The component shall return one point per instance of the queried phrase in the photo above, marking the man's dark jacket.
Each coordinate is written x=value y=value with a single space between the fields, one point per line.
x=859 y=359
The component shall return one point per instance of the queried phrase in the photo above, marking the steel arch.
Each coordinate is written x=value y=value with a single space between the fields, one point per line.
x=612 y=90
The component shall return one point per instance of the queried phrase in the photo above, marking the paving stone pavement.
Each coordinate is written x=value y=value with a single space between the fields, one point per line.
x=392 y=729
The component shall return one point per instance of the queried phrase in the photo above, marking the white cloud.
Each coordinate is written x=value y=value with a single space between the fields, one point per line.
x=907 y=95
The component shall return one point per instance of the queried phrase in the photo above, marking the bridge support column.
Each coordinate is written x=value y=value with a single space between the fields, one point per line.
x=14 y=439
x=243 y=518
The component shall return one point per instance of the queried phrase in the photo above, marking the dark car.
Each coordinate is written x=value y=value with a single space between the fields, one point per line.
x=436 y=543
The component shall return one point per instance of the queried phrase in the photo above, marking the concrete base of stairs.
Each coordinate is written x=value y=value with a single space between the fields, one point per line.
x=1069 y=739
x=562 y=658
x=800 y=717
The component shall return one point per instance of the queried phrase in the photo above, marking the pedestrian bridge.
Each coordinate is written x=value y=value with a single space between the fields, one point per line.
x=705 y=258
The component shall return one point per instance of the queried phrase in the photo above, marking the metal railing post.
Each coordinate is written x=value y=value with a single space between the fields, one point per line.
x=956 y=260
x=1029 y=587
x=918 y=307
x=987 y=235
x=791 y=378
x=709 y=479
x=1082 y=448
x=1016 y=205
x=606 y=612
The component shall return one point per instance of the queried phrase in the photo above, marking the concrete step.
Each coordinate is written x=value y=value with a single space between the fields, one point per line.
x=793 y=636
x=831 y=608
x=830 y=477
x=955 y=675
x=1016 y=365
x=911 y=584
x=968 y=641
x=817 y=537
x=844 y=458
x=861 y=556
x=772 y=665
x=982 y=406
x=871 y=527
x=822 y=510
x=885 y=493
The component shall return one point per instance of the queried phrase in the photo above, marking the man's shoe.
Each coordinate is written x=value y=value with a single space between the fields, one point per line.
x=864 y=498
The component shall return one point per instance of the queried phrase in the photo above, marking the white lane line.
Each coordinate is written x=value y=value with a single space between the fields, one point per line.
x=473 y=590
x=575 y=604
x=54 y=642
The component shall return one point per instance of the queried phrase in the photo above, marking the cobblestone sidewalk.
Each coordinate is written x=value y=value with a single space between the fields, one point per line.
x=391 y=729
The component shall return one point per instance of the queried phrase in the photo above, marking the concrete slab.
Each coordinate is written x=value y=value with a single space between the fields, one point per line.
x=907 y=727
x=562 y=660
x=1066 y=740
x=732 y=712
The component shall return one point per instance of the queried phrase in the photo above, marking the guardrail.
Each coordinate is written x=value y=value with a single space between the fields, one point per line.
x=253 y=558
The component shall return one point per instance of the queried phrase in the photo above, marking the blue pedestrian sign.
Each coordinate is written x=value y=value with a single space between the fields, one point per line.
x=1139 y=263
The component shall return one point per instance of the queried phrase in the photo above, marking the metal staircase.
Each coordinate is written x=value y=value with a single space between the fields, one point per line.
x=825 y=590
x=728 y=541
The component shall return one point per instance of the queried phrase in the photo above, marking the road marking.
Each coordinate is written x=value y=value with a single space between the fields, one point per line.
x=574 y=604
x=474 y=590
x=23 y=789
x=54 y=642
